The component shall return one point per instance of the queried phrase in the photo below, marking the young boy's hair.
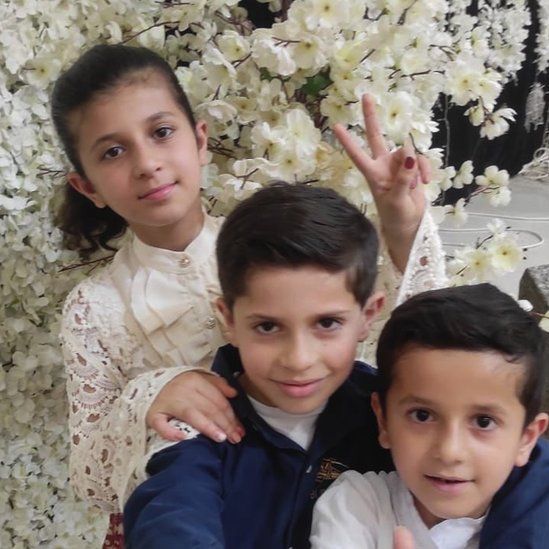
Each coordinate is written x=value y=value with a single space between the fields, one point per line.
x=470 y=318
x=97 y=72
x=297 y=226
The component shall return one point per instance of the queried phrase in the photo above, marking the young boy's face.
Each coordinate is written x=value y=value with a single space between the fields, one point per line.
x=297 y=331
x=455 y=427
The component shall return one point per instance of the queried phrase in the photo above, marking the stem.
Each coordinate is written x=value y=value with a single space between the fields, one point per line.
x=159 y=24
x=86 y=263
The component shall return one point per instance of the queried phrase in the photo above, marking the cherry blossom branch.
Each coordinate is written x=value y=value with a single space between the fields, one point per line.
x=154 y=25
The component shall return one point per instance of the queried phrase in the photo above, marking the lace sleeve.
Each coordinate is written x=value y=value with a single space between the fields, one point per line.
x=106 y=408
x=425 y=270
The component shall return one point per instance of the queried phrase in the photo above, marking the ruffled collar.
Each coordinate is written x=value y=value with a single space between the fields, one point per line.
x=168 y=261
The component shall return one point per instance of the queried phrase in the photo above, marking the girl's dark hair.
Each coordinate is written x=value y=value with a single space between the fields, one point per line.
x=291 y=226
x=469 y=318
x=87 y=228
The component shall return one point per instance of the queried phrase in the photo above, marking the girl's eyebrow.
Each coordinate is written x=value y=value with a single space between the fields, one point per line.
x=112 y=136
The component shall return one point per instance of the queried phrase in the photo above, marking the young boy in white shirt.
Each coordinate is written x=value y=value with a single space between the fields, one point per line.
x=458 y=404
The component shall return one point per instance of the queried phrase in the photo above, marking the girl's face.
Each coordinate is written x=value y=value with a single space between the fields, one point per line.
x=142 y=158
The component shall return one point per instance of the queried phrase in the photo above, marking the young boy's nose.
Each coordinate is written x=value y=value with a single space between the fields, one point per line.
x=298 y=353
x=450 y=444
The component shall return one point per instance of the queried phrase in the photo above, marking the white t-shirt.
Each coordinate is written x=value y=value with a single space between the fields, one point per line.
x=362 y=511
x=297 y=427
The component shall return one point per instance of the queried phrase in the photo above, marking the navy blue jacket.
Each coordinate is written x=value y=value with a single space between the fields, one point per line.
x=260 y=493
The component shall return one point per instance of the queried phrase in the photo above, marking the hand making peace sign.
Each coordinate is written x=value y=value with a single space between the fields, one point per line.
x=393 y=180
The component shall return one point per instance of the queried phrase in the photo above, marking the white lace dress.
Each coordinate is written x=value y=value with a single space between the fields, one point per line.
x=130 y=328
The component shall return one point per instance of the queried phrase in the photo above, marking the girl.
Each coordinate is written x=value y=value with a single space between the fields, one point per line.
x=132 y=331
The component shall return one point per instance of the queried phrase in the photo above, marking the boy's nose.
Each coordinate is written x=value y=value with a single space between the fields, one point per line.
x=298 y=354
x=450 y=444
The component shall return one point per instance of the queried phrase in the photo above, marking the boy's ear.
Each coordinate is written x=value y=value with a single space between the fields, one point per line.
x=85 y=187
x=370 y=311
x=530 y=436
x=201 y=132
x=227 y=320
x=383 y=436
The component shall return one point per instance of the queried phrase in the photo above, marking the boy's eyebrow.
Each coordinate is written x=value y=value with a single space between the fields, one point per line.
x=490 y=408
x=111 y=136
x=411 y=399
x=324 y=314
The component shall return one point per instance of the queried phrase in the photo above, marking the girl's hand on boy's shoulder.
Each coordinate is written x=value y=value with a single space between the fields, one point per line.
x=393 y=178
x=403 y=538
x=199 y=399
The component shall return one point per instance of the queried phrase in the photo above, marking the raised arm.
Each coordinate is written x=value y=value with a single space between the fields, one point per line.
x=393 y=178
x=412 y=258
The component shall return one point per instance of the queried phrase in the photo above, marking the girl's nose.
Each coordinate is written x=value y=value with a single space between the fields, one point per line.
x=146 y=162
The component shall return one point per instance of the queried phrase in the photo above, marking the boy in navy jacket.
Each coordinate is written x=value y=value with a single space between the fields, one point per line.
x=297 y=267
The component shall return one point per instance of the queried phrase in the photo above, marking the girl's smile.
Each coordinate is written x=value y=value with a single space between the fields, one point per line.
x=142 y=158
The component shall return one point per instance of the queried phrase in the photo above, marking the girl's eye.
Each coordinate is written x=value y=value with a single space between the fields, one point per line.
x=329 y=323
x=485 y=423
x=163 y=132
x=266 y=328
x=113 y=152
x=420 y=416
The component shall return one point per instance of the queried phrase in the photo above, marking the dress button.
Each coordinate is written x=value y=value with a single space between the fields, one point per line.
x=184 y=261
x=210 y=323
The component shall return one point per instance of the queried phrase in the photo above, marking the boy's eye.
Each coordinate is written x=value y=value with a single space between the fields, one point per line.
x=420 y=416
x=113 y=152
x=163 y=132
x=485 y=423
x=266 y=327
x=329 y=323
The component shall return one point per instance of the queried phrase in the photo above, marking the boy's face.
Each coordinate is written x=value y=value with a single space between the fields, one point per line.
x=297 y=331
x=455 y=427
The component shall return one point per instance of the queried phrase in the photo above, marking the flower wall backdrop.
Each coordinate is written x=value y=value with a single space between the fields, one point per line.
x=270 y=97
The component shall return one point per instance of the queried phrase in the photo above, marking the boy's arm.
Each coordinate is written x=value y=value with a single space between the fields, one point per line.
x=180 y=504
x=519 y=514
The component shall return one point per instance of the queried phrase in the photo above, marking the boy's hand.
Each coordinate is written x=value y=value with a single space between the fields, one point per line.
x=403 y=538
x=199 y=399
x=393 y=180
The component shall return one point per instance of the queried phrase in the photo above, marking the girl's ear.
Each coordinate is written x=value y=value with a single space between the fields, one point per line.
x=201 y=132
x=369 y=313
x=85 y=187
x=530 y=436
x=227 y=320
x=383 y=435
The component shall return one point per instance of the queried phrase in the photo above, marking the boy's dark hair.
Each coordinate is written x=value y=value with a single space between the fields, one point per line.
x=100 y=69
x=287 y=225
x=470 y=318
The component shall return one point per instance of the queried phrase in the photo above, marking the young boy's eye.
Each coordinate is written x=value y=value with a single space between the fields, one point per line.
x=266 y=327
x=163 y=132
x=420 y=416
x=329 y=323
x=113 y=152
x=485 y=423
